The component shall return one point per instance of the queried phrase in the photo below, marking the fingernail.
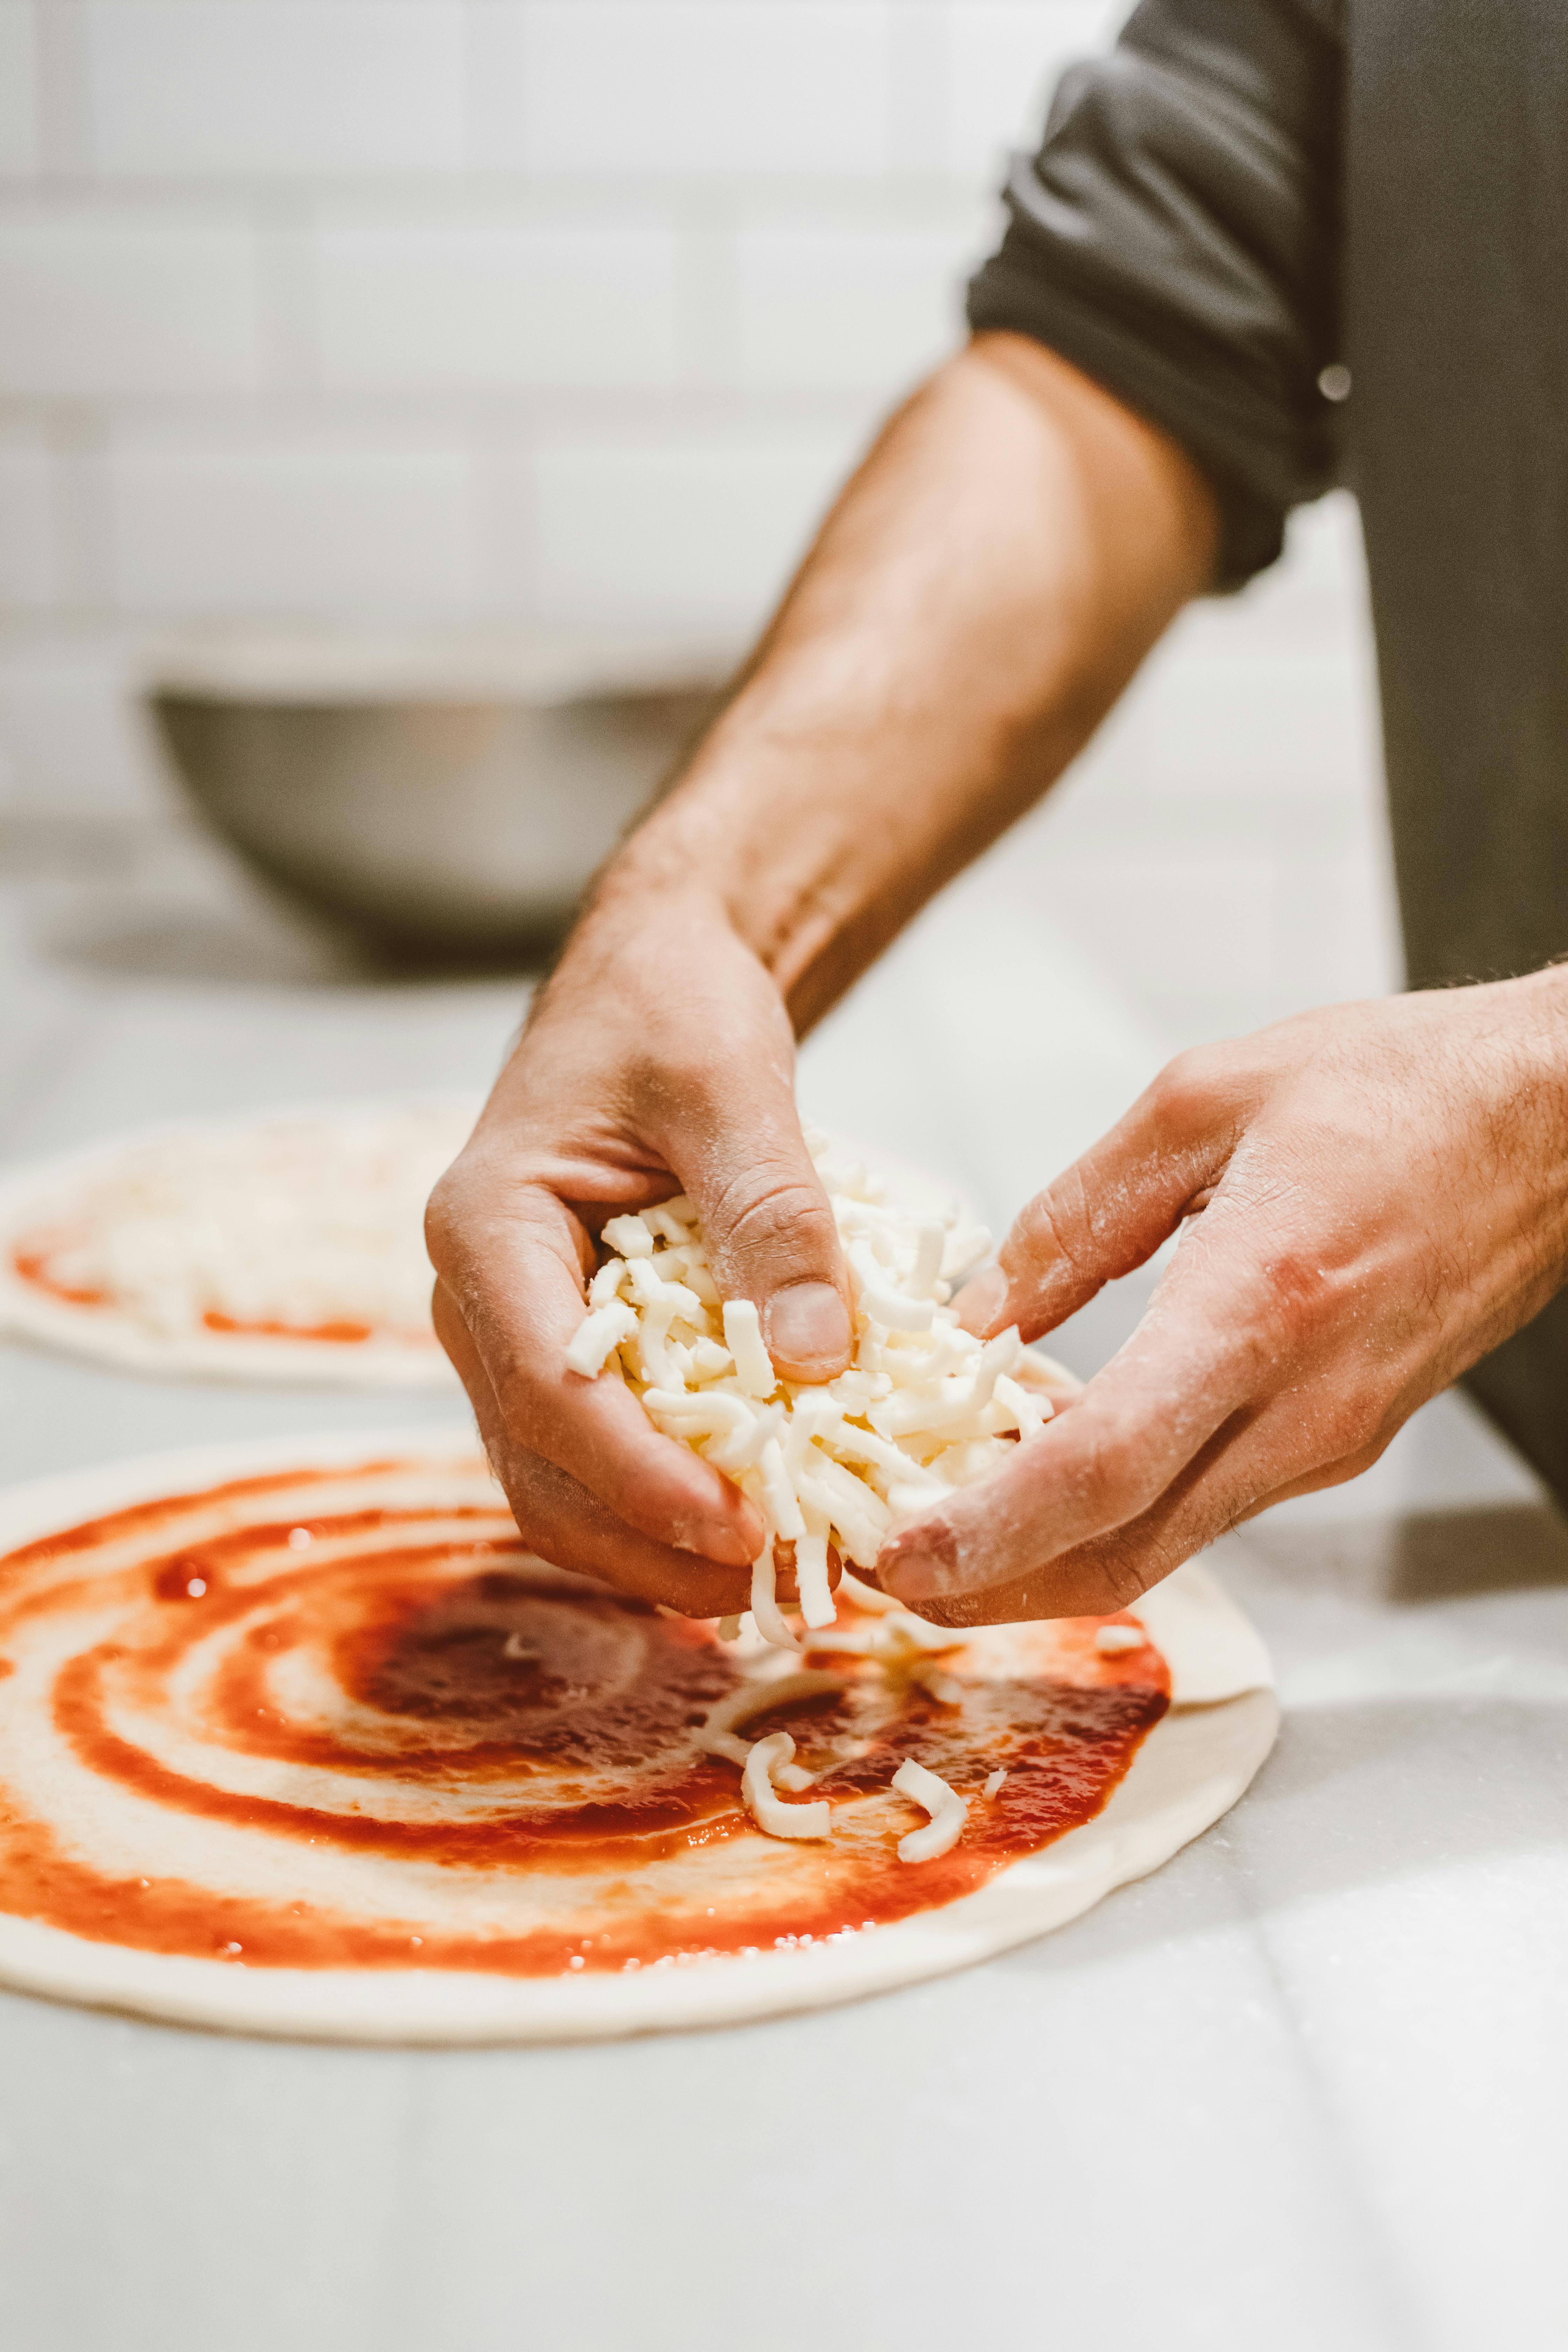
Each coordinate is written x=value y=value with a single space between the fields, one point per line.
x=715 y=1539
x=914 y=1577
x=808 y=1324
x=922 y=1563
x=980 y=1302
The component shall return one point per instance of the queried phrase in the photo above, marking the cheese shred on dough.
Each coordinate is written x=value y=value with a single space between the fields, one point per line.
x=947 y=1809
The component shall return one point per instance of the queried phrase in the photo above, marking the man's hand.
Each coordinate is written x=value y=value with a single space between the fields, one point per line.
x=982 y=592
x=1375 y=1195
x=661 y=1061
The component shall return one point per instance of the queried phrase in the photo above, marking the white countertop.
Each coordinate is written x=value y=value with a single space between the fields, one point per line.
x=1305 y=2088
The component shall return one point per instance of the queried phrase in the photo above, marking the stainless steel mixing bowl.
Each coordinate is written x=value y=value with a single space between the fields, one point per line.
x=453 y=800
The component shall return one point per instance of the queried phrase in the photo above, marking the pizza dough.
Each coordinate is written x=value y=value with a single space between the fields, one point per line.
x=282 y=1248
x=299 y=1741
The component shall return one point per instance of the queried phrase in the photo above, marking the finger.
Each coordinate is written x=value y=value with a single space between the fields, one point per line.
x=1110 y=1571
x=1111 y=1210
x=731 y=1132
x=564 y=1524
x=1191 y=1364
x=1234 y=1478
x=520 y=1319
x=560 y=1519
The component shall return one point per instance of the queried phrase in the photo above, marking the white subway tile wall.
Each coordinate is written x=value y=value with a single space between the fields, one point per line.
x=705 y=90
x=26 y=519
x=18 y=88
x=823 y=303
x=224 y=522
x=292 y=89
x=485 y=303
x=693 y=526
x=1002 y=61
x=573 y=312
x=108 y=301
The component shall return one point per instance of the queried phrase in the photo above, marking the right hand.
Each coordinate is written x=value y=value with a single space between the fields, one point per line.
x=659 y=1059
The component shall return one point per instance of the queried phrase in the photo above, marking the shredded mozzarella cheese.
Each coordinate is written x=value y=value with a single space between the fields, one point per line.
x=291 y=1225
x=924 y=1408
x=898 y=1642
x=993 y=1786
x=768 y=1810
x=945 y=1689
x=947 y=1809
x=1116 y=1641
x=717 y=1736
x=600 y=1336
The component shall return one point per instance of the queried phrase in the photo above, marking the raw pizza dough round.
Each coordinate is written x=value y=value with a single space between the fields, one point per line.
x=131 y=1758
x=39 y=1198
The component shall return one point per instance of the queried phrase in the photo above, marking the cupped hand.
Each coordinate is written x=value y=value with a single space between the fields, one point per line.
x=1370 y=1198
x=658 y=1060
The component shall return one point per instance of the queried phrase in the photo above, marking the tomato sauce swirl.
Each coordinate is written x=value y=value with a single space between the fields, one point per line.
x=339 y=1718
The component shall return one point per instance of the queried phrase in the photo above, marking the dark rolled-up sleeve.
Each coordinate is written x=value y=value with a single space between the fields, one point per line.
x=1177 y=237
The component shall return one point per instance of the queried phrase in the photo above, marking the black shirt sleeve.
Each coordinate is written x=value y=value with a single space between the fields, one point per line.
x=1177 y=237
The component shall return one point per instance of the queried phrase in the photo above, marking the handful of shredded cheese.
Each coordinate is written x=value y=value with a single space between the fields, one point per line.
x=924 y=1408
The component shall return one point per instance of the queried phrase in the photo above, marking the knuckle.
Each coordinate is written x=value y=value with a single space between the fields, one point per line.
x=785 y=1218
x=1116 y=1570
x=1052 y=1235
x=462 y=1199
x=1295 y=1292
x=1093 y=1579
x=443 y=1215
x=484 y=1200
x=953 y=1610
x=1188 y=1091
x=1037 y=1232
x=1360 y=1454
x=1354 y=1424
x=1102 y=1586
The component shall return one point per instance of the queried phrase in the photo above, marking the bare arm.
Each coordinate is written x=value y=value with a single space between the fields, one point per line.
x=983 y=590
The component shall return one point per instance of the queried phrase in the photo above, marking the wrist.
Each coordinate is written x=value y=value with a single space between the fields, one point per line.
x=652 y=944
x=722 y=868
x=1541 y=998
x=1538 y=1003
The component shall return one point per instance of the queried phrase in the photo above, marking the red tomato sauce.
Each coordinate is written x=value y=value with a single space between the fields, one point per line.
x=32 y=1266
x=456 y=1667
x=347 y=1335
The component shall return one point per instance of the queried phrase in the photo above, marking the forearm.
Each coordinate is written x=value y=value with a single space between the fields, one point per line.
x=982 y=592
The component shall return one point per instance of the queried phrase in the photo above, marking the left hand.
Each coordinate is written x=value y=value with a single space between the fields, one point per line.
x=1375 y=1195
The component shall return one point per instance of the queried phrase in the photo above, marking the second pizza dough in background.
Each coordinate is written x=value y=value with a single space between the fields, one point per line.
x=286 y=1246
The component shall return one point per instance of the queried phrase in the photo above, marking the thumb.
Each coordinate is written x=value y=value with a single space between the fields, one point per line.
x=772 y=1239
x=721 y=1112
x=1109 y=1213
x=771 y=1232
